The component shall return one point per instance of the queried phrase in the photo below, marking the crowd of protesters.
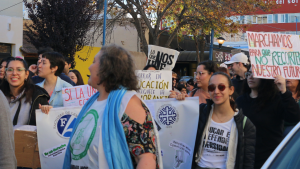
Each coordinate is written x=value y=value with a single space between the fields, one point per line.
x=256 y=112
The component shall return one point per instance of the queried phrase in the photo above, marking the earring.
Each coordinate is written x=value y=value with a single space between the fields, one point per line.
x=51 y=71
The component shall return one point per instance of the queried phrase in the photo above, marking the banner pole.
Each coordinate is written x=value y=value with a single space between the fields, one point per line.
x=211 y=45
x=104 y=22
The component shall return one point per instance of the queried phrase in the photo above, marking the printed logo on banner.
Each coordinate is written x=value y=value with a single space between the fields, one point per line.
x=55 y=151
x=64 y=124
x=167 y=115
x=79 y=145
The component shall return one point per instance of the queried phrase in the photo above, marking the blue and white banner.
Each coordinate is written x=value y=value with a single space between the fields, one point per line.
x=53 y=131
x=177 y=123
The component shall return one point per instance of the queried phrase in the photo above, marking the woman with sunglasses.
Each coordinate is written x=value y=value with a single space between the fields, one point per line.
x=23 y=96
x=225 y=137
x=267 y=103
x=51 y=66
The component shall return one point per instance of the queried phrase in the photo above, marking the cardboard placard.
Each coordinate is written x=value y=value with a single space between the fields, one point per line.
x=163 y=58
x=26 y=149
x=154 y=84
x=273 y=54
x=77 y=95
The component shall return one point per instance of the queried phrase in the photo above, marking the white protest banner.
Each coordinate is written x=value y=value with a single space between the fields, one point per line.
x=274 y=54
x=177 y=123
x=77 y=95
x=163 y=58
x=53 y=131
x=154 y=84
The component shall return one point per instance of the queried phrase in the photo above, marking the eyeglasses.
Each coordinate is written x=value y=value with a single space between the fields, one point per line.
x=212 y=87
x=199 y=73
x=11 y=70
x=248 y=74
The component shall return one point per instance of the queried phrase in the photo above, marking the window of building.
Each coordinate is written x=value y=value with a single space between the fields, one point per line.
x=5 y=50
x=242 y=20
x=254 y=19
x=275 y=20
x=270 y=18
x=292 y=17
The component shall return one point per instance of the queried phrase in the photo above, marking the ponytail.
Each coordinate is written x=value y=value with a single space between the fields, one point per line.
x=232 y=104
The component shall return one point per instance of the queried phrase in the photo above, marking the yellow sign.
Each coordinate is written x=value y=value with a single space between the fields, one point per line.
x=84 y=59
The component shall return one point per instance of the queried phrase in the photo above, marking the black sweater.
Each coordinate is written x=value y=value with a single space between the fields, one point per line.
x=238 y=86
x=269 y=121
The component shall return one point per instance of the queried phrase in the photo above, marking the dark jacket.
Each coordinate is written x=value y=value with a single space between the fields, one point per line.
x=246 y=138
x=39 y=96
x=238 y=86
x=38 y=79
x=269 y=121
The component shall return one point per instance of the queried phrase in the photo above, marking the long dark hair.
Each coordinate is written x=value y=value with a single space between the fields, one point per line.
x=28 y=85
x=267 y=91
x=298 y=90
x=210 y=66
x=230 y=84
x=78 y=75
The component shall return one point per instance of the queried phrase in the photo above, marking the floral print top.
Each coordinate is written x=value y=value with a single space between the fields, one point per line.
x=140 y=137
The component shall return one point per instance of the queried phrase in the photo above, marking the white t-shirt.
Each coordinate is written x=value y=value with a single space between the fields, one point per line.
x=214 y=153
x=86 y=145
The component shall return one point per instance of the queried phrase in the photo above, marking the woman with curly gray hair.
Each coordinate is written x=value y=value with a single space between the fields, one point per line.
x=114 y=128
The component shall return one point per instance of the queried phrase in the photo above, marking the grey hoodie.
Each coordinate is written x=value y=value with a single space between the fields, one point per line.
x=7 y=145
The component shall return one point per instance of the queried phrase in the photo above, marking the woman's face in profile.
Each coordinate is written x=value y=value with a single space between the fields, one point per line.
x=94 y=69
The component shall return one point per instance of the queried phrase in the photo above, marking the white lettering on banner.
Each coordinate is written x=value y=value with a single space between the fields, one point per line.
x=77 y=95
x=53 y=134
x=154 y=84
x=280 y=2
x=162 y=58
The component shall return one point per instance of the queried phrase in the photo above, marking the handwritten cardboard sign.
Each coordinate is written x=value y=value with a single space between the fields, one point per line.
x=154 y=84
x=163 y=58
x=77 y=95
x=274 y=54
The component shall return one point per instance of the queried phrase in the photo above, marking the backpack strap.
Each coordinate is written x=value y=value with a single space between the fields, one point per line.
x=244 y=123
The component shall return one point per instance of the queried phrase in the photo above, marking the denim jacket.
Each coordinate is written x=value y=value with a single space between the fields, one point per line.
x=56 y=99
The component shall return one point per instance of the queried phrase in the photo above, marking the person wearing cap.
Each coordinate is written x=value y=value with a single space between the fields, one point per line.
x=238 y=64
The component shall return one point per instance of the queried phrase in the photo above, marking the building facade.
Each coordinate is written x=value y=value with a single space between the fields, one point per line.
x=11 y=28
